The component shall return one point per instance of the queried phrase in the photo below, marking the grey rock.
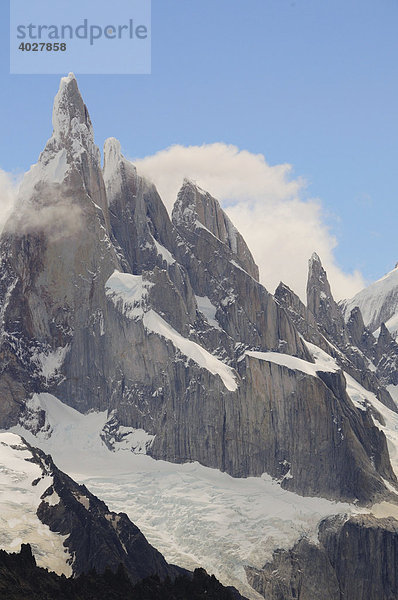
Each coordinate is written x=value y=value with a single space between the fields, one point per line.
x=332 y=445
x=355 y=559
x=320 y=301
x=195 y=208
x=53 y=293
x=351 y=344
x=386 y=357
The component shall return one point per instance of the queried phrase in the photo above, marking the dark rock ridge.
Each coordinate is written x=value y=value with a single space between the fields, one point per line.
x=97 y=538
x=109 y=304
x=20 y=579
x=354 y=558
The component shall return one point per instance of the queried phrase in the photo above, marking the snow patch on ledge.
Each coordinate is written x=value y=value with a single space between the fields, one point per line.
x=164 y=253
x=298 y=364
x=128 y=293
x=154 y=323
x=50 y=363
x=208 y=309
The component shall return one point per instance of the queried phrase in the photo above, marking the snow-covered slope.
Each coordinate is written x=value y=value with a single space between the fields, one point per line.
x=194 y=515
x=21 y=488
x=378 y=303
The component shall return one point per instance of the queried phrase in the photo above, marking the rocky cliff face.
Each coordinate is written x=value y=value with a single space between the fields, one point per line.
x=378 y=304
x=353 y=559
x=111 y=305
x=196 y=208
x=56 y=256
x=320 y=301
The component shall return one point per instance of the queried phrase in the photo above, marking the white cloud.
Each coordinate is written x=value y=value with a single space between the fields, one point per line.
x=58 y=220
x=266 y=205
x=8 y=192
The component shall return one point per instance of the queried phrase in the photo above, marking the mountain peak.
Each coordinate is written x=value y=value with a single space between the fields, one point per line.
x=69 y=155
x=195 y=208
x=320 y=301
x=315 y=258
x=318 y=287
x=112 y=156
x=112 y=147
x=70 y=113
x=118 y=171
x=190 y=191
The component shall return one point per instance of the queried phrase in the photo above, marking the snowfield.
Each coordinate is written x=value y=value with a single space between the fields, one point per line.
x=196 y=516
x=19 y=500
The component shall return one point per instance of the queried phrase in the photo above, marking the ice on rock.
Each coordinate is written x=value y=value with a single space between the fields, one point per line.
x=208 y=309
x=298 y=364
x=156 y=324
x=21 y=487
x=378 y=303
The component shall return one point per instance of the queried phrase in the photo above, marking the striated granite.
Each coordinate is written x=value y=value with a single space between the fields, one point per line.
x=354 y=558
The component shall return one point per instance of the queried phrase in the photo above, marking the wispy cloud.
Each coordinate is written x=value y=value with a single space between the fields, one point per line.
x=47 y=209
x=8 y=193
x=266 y=204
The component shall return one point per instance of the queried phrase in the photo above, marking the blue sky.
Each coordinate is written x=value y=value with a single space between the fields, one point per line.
x=306 y=82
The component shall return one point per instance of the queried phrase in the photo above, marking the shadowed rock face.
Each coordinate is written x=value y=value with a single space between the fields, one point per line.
x=354 y=559
x=330 y=447
x=165 y=349
x=96 y=537
x=386 y=357
x=139 y=219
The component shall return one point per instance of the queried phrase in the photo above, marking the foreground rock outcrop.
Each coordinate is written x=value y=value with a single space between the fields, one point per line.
x=20 y=578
